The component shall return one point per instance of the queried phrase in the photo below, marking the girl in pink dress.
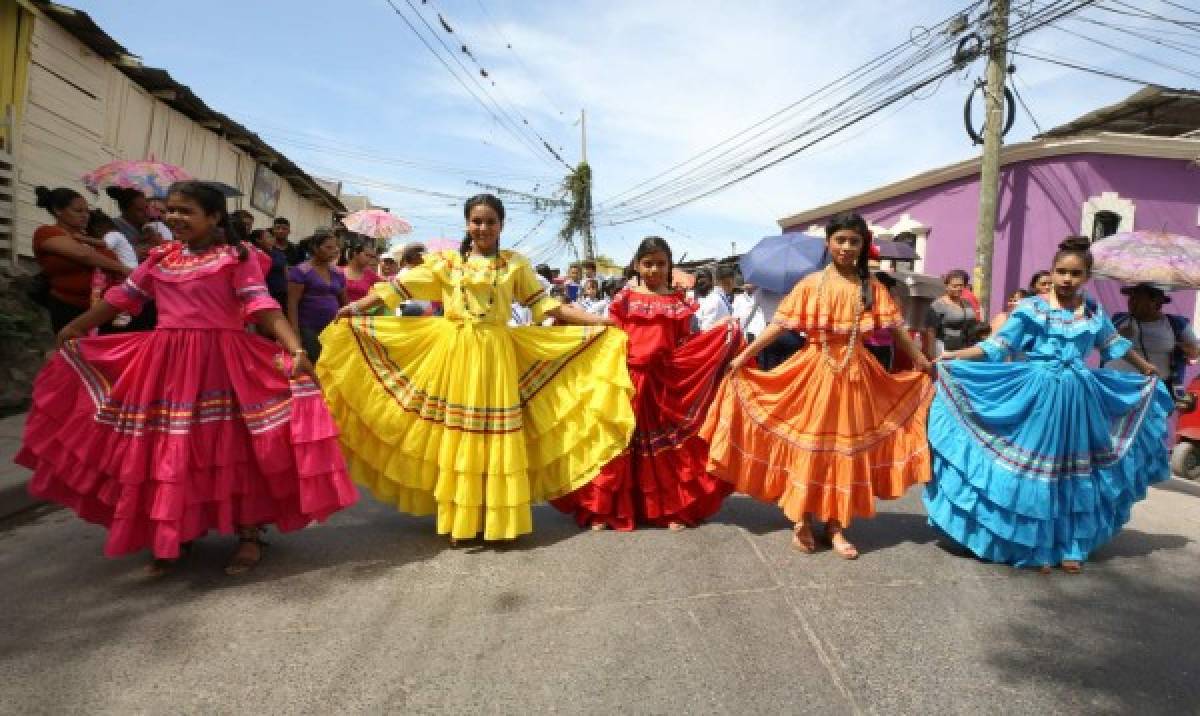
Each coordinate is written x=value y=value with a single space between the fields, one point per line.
x=197 y=425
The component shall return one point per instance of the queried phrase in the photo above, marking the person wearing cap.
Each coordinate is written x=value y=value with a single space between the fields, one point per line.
x=1167 y=340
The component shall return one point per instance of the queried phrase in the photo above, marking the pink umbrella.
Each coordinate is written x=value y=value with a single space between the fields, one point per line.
x=1168 y=260
x=150 y=177
x=377 y=224
x=443 y=244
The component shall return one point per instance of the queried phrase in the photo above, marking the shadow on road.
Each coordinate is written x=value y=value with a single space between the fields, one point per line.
x=1122 y=638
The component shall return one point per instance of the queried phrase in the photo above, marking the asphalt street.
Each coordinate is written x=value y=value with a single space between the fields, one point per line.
x=373 y=613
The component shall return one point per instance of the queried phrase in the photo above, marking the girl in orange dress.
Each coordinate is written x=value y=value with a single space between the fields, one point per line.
x=829 y=430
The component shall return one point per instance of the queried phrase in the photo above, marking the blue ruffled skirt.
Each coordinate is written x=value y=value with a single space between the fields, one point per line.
x=1039 y=462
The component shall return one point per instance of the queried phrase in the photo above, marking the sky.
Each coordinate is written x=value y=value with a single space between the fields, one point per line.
x=349 y=92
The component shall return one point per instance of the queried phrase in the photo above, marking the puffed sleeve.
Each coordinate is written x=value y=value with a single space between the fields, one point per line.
x=133 y=293
x=251 y=289
x=793 y=310
x=885 y=311
x=618 y=309
x=1112 y=345
x=1010 y=338
x=419 y=283
x=529 y=292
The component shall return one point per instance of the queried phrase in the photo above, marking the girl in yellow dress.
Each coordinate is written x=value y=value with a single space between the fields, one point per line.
x=463 y=416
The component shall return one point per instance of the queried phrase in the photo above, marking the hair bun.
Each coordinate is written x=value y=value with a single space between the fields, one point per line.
x=1075 y=243
x=43 y=197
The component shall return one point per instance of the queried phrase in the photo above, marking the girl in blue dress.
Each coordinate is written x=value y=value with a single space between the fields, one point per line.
x=1037 y=463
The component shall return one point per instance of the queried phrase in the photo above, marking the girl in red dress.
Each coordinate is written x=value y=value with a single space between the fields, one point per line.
x=660 y=479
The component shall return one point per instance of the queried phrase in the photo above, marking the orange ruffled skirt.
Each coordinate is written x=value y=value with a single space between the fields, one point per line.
x=817 y=441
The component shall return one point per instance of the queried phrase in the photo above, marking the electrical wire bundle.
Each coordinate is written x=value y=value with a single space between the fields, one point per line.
x=890 y=78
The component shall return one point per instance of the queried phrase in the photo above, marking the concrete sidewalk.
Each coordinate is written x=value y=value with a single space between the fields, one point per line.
x=13 y=495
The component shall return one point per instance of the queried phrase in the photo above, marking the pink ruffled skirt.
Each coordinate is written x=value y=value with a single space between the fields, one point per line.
x=163 y=436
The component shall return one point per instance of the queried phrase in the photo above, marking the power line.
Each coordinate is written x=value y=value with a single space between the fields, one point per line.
x=1083 y=68
x=484 y=72
x=1024 y=106
x=775 y=119
x=851 y=114
x=522 y=139
x=524 y=67
x=376 y=158
x=876 y=88
x=1133 y=11
x=530 y=139
x=1122 y=50
x=1177 y=45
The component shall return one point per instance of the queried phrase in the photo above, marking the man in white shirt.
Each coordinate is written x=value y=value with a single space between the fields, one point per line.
x=1168 y=341
x=748 y=313
x=714 y=305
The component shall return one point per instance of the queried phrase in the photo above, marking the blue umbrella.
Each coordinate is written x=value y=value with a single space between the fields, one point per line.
x=777 y=263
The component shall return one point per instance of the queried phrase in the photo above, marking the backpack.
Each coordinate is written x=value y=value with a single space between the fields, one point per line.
x=1179 y=360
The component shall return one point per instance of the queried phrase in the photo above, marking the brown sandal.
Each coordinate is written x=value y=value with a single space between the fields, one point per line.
x=1070 y=566
x=239 y=563
x=803 y=539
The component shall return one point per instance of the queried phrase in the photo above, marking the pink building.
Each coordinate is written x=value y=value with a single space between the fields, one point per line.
x=1134 y=165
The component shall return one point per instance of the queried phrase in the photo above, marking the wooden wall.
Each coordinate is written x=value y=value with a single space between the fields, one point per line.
x=82 y=111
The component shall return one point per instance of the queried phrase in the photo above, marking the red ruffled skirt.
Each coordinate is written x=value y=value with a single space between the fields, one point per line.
x=163 y=436
x=661 y=478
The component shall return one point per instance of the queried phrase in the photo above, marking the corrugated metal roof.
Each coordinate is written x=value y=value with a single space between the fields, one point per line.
x=1152 y=111
x=181 y=98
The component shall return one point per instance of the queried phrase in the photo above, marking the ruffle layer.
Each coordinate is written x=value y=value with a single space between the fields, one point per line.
x=158 y=483
x=635 y=304
x=662 y=478
x=475 y=423
x=672 y=486
x=1015 y=518
x=817 y=442
x=172 y=263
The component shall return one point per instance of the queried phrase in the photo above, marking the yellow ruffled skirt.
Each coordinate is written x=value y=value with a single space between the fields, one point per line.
x=475 y=422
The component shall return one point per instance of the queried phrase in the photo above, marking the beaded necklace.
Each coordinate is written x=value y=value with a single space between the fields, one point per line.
x=852 y=343
x=462 y=287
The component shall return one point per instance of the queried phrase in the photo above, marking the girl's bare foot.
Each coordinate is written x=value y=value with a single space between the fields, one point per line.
x=802 y=538
x=842 y=547
x=599 y=525
x=1071 y=566
x=676 y=526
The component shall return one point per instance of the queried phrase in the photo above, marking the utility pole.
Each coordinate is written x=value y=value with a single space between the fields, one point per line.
x=589 y=248
x=989 y=172
x=583 y=134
